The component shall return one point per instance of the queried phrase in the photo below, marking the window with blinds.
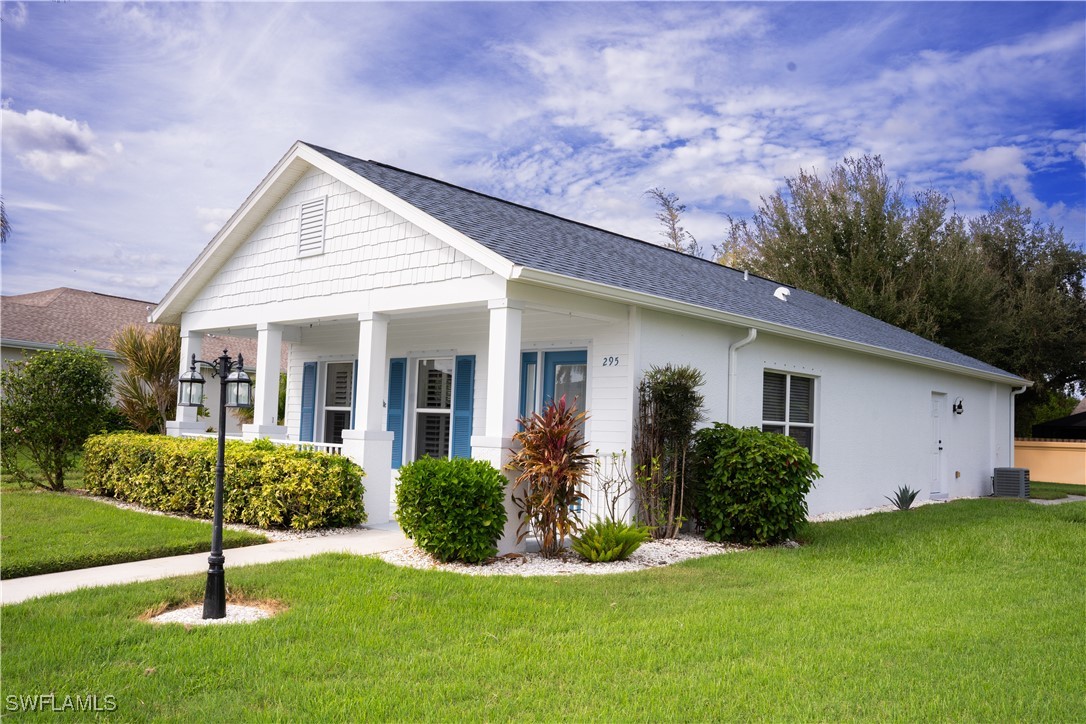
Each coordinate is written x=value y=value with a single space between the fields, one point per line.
x=338 y=395
x=788 y=406
x=311 y=228
x=433 y=408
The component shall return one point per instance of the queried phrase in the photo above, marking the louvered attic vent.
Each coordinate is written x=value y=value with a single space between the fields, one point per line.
x=311 y=228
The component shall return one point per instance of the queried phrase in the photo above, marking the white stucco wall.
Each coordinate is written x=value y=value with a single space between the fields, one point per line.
x=873 y=416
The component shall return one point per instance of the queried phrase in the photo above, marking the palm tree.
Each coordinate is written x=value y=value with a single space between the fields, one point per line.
x=5 y=225
x=147 y=392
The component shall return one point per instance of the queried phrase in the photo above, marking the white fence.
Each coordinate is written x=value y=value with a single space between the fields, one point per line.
x=324 y=447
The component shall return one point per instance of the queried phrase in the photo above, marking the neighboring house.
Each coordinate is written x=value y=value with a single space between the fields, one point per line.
x=43 y=320
x=1072 y=427
x=424 y=319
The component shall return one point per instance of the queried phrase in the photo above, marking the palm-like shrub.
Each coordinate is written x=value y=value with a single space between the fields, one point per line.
x=610 y=540
x=147 y=393
x=553 y=464
x=903 y=498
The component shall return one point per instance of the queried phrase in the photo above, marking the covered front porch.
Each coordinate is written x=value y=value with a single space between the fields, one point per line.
x=387 y=387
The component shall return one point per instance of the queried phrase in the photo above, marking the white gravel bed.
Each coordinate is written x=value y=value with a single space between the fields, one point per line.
x=825 y=517
x=274 y=535
x=649 y=555
x=194 y=615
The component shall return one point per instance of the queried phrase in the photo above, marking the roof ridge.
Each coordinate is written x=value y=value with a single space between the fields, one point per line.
x=56 y=292
x=539 y=211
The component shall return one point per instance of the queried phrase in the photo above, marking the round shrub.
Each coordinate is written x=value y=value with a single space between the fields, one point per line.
x=752 y=484
x=453 y=509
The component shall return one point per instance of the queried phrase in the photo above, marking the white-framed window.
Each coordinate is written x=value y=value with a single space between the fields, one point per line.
x=311 y=227
x=337 y=399
x=433 y=407
x=788 y=406
x=551 y=374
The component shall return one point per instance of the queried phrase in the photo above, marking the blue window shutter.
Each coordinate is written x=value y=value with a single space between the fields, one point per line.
x=463 y=405
x=397 y=383
x=354 y=398
x=309 y=400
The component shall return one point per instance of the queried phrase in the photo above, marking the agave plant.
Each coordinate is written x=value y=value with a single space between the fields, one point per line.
x=610 y=540
x=553 y=464
x=903 y=498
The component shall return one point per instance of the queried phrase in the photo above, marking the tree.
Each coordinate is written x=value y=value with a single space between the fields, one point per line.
x=1000 y=288
x=53 y=401
x=1040 y=329
x=147 y=391
x=5 y=224
x=856 y=238
x=670 y=217
x=669 y=408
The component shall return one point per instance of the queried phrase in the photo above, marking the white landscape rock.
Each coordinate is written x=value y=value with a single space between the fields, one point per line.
x=194 y=615
x=649 y=555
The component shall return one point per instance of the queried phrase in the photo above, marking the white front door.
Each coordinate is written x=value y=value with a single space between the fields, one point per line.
x=938 y=460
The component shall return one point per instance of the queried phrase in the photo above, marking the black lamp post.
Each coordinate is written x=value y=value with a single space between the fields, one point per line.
x=235 y=391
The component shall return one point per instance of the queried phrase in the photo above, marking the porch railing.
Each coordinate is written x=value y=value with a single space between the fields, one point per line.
x=324 y=447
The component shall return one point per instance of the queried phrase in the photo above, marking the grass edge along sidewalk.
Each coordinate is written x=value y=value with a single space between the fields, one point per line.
x=960 y=611
x=48 y=532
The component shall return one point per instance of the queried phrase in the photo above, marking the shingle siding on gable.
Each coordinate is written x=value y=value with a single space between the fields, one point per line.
x=366 y=247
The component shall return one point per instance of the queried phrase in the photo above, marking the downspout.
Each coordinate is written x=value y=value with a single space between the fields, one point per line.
x=733 y=373
x=1010 y=451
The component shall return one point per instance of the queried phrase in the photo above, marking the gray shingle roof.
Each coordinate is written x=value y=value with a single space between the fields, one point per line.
x=75 y=316
x=542 y=241
x=69 y=315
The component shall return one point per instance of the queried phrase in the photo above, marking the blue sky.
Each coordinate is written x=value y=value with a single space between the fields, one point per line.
x=132 y=132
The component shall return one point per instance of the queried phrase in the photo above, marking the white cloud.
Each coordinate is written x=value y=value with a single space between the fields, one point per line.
x=997 y=163
x=573 y=108
x=213 y=219
x=52 y=146
x=1004 y=167
x=14 y=14
x=32 y=205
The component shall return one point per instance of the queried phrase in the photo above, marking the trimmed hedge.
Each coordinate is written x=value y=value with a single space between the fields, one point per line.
x=752 y=485
x=453 y=509
x=266 y=485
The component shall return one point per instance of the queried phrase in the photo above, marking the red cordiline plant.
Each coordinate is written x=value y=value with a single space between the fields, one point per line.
x=550 y=456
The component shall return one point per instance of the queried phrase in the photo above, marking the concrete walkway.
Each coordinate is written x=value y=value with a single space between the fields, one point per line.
x=1057 y=501
x=372 y=539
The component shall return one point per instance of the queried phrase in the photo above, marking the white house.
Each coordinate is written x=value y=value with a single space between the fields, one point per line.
x=424 y=319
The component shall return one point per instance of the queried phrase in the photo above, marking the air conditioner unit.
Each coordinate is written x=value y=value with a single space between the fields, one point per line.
x=1011 y=482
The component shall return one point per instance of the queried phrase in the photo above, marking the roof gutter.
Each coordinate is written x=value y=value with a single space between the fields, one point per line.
x=733 y=372
x=1014 y=394
x=45 y=346
x=567 y=283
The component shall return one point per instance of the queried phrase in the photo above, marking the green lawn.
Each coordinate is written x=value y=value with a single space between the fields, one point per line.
x=969 y=611
x=44 y=532
x=1054 y=491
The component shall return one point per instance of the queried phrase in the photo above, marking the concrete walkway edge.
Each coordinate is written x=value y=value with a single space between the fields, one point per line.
x=376 y=539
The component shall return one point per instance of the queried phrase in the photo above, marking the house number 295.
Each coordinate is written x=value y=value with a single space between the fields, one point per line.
x=610 y=361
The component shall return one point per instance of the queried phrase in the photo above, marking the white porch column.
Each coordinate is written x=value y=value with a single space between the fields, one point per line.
x=185 y=420
x=502 y=395
x=367 y=442
x=269 y=342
